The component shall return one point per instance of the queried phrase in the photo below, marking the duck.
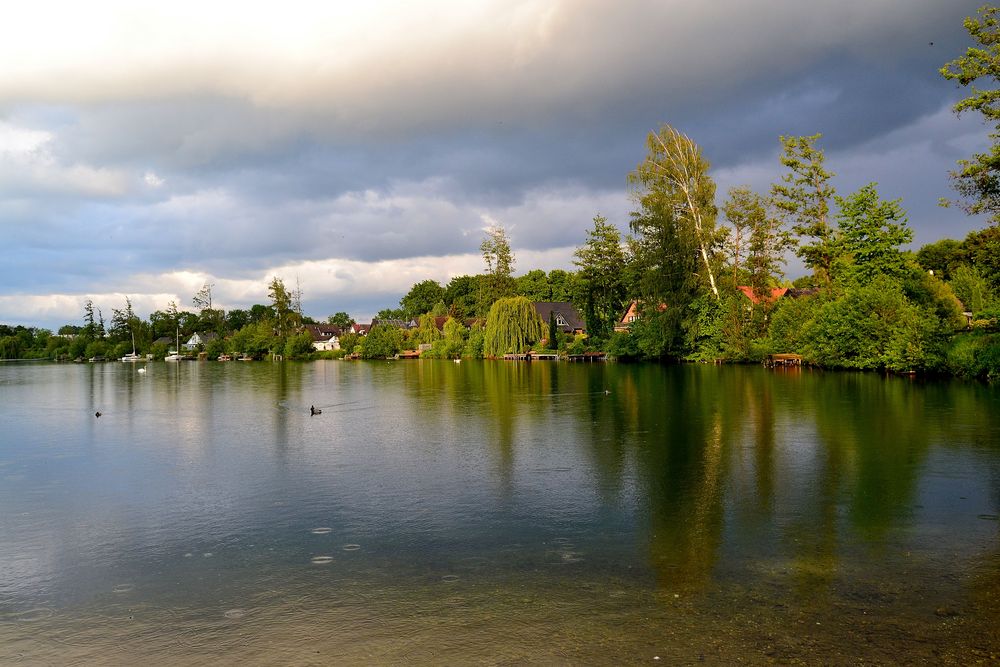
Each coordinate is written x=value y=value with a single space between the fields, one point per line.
x=313 y=411
x=98 y=414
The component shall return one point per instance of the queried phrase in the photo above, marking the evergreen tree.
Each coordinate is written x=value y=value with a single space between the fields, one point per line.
x=602 y=261
x=804 y=197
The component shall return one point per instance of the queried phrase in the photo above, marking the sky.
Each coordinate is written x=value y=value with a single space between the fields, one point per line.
x=353 y=149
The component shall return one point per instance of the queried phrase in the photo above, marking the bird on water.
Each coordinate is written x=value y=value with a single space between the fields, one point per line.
x=97 y=414
x=313 y=411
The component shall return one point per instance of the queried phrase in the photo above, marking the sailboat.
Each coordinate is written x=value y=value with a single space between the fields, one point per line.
x=132 y=356
x=176 y=354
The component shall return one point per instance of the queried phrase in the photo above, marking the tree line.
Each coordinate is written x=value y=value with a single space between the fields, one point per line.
x=707 y=277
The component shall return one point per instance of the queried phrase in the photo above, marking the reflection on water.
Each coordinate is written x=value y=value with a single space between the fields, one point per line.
x=495 y=512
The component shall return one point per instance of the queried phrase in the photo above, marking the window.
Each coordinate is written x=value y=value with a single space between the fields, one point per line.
x=560 y=320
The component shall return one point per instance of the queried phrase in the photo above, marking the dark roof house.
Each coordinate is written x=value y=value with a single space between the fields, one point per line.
x=567 y=319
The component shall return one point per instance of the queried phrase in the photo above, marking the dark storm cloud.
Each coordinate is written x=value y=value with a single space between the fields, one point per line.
x=230 y=163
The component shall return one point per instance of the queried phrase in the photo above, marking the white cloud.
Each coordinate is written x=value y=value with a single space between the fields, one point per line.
x=152 y=180
x=28 y=164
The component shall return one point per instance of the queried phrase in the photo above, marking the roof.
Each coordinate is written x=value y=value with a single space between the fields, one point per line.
x=399 y=324
x=572 y=319
x=321 y=332
x=775 y=294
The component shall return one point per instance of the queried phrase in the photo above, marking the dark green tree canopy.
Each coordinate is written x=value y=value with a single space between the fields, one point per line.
x=421 y=299
x=872 y=232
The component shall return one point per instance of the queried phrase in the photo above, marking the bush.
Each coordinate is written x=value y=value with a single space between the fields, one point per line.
x=974 y=355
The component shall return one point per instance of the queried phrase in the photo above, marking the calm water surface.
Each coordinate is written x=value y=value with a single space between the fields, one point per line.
x=495 y=513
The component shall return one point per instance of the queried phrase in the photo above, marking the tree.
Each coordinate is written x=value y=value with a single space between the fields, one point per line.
x=553 y=337
x=122 y=322
x=562 y=285
x=804 y=198
x=675 y=170
x=427 y=331
x=942 y=257
x=872 y=231
x=534 y=286
x=757 y=235
x=390 y=314
x=236 y=319
x=971 y=288
x=286 y=319
x=601 y=261
x=341 y=319
x=978 y=179
x=91 y=331
x=383 y=341
x=462 y=295
x=421 y=299
x=983 y=250
x=499 y=261
x=511 y=327
x=203 y=298
x=663 y=261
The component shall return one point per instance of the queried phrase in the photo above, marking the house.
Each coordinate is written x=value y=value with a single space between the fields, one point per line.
x=772 y=295
x=632 y=314
x=199 y=340
x=325 y=336
x=360 y=329
x=399 y=324
x=566 y=317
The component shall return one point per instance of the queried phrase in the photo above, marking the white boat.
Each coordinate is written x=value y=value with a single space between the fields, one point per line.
x=174 y=357
x=132 y=357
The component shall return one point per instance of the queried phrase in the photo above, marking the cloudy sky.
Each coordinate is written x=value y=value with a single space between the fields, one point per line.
x=358 y=147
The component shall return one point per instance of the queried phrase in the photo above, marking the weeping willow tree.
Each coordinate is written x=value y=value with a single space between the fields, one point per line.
x=511 y=326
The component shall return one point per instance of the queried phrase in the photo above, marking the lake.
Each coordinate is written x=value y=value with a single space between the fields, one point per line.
x=495 y=513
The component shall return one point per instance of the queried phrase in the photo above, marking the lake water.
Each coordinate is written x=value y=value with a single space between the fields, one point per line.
x=495 y=513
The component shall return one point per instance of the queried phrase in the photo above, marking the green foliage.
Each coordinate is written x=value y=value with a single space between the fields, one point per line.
x=299 y=346
x=624 y=345
x=475 y=343
x=511 y=327
x=756 y=236
x=942 y=257
x=971 y=288
x=382 y=342
x=499 y=260
x=804 y=196
x=255 y=340
x=674 y=177
x=975 y=355
x=348 y=341
x=601 y=261
x=871 y=233
x=340 y=319
x=869 y=326
x=983 y=250
x=427 y=331
x=215 y=347
x=285 y=318
x=534 y=286
x=463 y=294
x=978 y=179
x=421 y=299
x=452 y=345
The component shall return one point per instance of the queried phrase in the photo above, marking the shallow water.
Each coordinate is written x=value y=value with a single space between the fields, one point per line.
x=495 y=513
